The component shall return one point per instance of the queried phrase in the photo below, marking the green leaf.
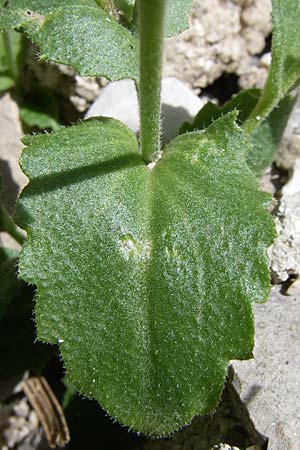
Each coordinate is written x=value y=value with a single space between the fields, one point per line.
x=177 y=14
x=145 y=277
x=35 y=117
x=7 y=253
x=16 y=47
x=284 y=72
x=243 y=102
x=40 y=108
x=97 y=45
x=6 y=82
x=267 y=136
x=8 y=66
x=93 y=42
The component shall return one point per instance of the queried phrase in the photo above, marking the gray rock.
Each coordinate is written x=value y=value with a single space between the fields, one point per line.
x=269 y=385
x=293 y=185
x=285 y=252
x=10 y=149
x=289 y=150
x=223 y=37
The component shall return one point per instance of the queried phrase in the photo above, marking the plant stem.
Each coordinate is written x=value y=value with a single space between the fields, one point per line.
x=12 y=63
x=8 y=225
x=151 y=34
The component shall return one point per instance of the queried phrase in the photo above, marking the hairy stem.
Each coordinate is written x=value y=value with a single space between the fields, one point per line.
x=151 y=34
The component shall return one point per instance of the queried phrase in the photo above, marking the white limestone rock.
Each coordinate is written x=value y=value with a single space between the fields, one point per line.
x=223 y=38
x=289 y=150
x=119 y=100
x=285 y=252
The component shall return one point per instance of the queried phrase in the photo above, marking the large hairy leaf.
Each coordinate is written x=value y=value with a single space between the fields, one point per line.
x=145 y=277
x=284 y=72
x=80 y=34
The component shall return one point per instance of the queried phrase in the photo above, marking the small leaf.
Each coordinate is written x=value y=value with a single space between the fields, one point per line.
x=7 y=253
x=34 y=117
x=40 y=108
x=145 y=277
x=207 y=114
x=177 y=15
x=284 y=72
x=6 y=82
x=267 y=136
x=243 y=102
x=94 y=44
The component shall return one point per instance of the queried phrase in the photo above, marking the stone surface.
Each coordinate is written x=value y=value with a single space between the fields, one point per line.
x=223 y=37
x=10 y=149
x=19 y=426
x=255 y=75
x=293 y=185
x=285 y=252
x=119 y=100
x=269 y=385
x=289 y=150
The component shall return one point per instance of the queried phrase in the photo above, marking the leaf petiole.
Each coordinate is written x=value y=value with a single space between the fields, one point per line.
x=151 y=34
